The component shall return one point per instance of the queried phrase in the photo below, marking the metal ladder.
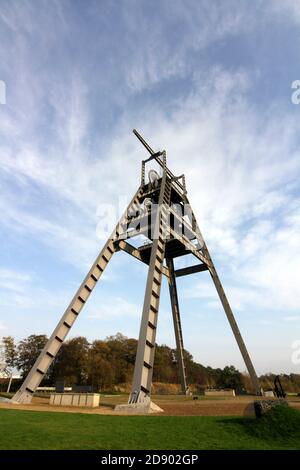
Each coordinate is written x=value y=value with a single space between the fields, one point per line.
x=143 y=371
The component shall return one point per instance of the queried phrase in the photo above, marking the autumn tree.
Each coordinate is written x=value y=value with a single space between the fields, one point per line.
x=230 y=377
x=71 y=362
x=165 y=368
x=122 y=353
x=10 y=351
x=100 y=368
x=28 y=351
x=110 y=362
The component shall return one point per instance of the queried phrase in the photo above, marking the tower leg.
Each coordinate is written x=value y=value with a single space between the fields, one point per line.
x=53 y=345
x=227 y=309
x=235 y=329
x=143 y=370
x=177 y=326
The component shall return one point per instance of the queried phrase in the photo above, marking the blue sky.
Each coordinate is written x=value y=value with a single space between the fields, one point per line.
x=209 y=81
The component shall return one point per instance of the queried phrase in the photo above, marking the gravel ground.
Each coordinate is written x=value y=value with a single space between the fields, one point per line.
x=172 y=406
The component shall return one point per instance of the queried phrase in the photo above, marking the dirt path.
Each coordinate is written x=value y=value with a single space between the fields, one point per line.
x=172 y=406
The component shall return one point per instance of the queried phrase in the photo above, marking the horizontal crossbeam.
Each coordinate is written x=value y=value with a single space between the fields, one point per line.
x=190 y=270
x=131 y=250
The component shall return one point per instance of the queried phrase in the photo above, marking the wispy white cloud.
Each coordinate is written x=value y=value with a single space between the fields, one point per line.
x=2 y=327
x=289 y=9
x=118 y=308
x=292 y=318
x=13 y=281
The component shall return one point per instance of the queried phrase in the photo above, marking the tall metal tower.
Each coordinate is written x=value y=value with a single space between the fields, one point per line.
x=161 y=212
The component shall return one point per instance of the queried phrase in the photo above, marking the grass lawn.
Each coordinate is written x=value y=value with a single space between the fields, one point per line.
x=280 y=429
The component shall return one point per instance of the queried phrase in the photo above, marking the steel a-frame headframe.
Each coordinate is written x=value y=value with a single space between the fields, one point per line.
x=160 y=211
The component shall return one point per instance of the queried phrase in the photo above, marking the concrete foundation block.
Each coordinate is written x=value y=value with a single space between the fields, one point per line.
x=75 y=399
x=138 y=408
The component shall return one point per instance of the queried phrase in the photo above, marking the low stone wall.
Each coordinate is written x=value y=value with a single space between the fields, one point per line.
x=219 y=393
x=75 y=399
x=263 y=406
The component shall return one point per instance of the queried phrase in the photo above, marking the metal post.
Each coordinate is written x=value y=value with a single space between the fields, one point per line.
x=177 y=326
x=9 y=383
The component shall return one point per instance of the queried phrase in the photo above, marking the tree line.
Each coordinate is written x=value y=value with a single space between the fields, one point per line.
x=107 y=364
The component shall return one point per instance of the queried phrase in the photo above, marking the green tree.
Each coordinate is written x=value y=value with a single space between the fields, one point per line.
x=71 y=362
x=101 y=368
x=230 y=378
x=28 y=351
x=10 y=351
x=109 y=362
x=165 y=370
x=122 y=351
